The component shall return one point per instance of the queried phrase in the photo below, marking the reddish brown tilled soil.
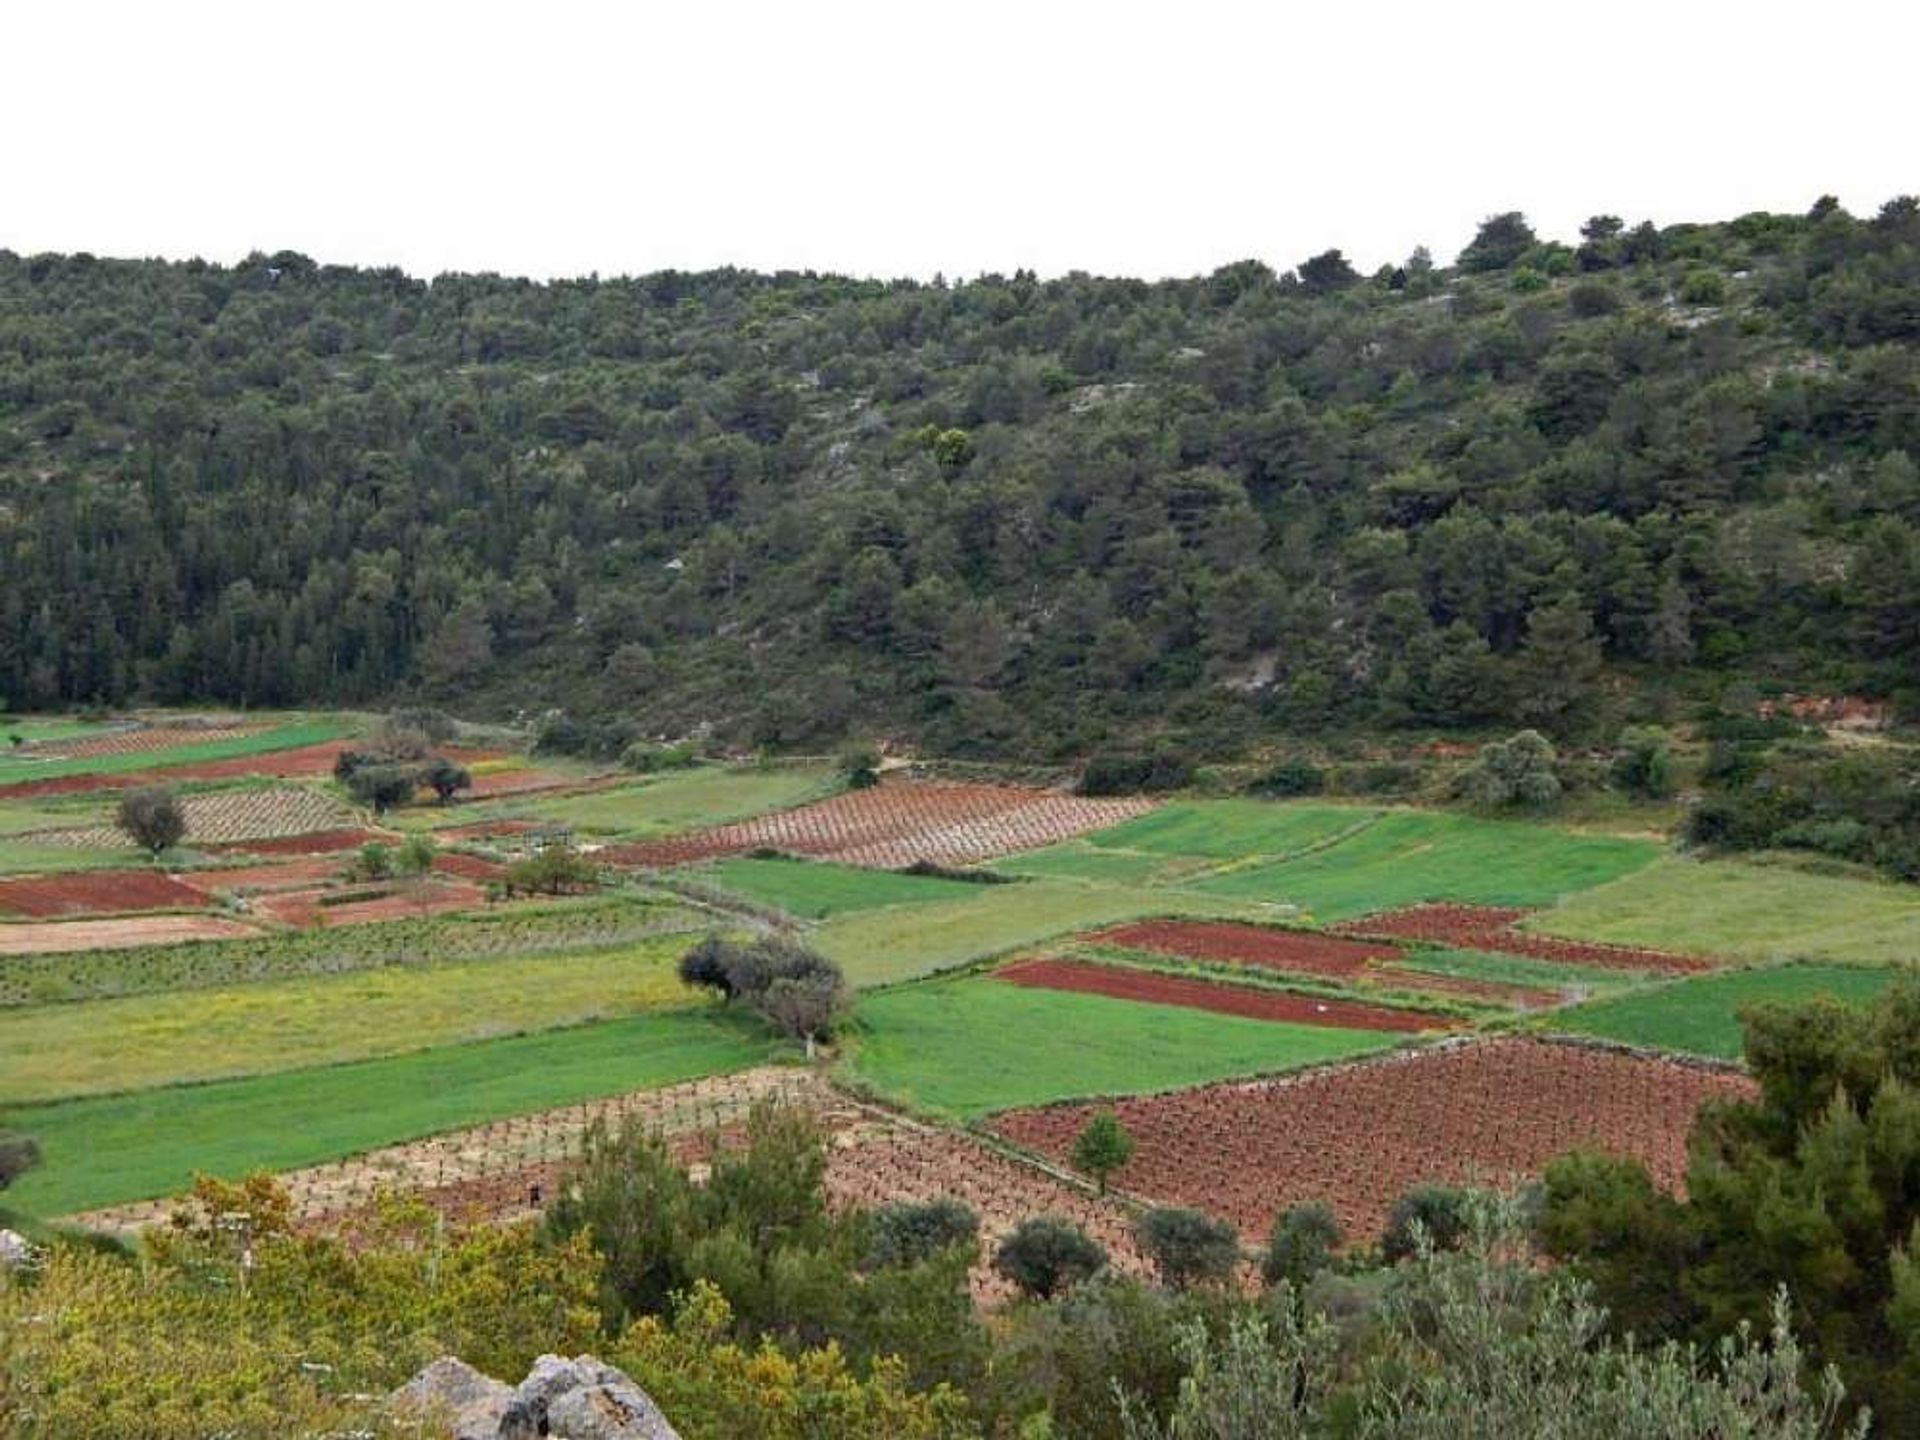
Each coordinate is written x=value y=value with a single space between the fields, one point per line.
x=1358 y=1136
x=1299 y=952
x=438 y=897
x=281 y=875
x=1121 y=983
x=320 y=842
x=1310 y=953
x=95 y=892
x=1486 y=927
x=468 y=867
x=896 y=823
x=304 y=762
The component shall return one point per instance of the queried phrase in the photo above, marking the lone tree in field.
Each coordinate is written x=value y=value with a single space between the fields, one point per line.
x=1103 y=1147
x=804 y=1007
x=445 y=778
x=381 y=787
x=1045 y=1256
x=153 y=817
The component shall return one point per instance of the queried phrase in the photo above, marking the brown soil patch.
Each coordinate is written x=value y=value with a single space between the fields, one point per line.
x=95 y=892
x=896 y=823
x=320 y=842
x=1304 y=952
x=1486 y=927
x=1358 y=1136
x=72 y=935
x=1121 y=983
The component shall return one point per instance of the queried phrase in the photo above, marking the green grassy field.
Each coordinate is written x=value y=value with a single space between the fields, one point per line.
x=667 y=804
x=1232 y=829
x=879 y=947
x=16 y=768
x=31 y=729
x=21 y=857
x=1407 y=856
x=111 y=1150
x=1700 y=1016
x=965 y=1047
x=1080 y=860
x=102 y=1046
x=815 y=889
x=1515 y=970
x=1751 y=912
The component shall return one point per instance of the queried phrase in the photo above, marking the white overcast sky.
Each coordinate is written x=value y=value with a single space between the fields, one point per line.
x=908 y=138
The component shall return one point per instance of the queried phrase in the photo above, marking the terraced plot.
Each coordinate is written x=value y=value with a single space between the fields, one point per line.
x=895 y=824
x=1356 y=1137
x=135 y=932
x=228 y=816
x=1407 y=856
x=114 y=1149
x=967 y=1047
x=1702 y=1016
x=815 y=889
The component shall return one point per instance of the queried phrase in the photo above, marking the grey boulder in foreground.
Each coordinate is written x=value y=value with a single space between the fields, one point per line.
x=578 y=1399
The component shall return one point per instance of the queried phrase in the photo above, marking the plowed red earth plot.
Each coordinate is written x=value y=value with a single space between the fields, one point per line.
x=308 y=907
x=96 y=892
x=1305 y=952
x=1143 y=985
x=1485 y=927
x=896 y=823
x=303 y=763
x=321 y=842
x=1358 y=1136
x=250 y=879
x=66 y=936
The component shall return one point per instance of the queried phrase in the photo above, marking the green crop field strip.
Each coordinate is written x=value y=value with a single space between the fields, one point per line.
x=1701 y=1016
x=1756 y=912
x=966 y=1047
x=670 y=803
x=150 y=1040
x=817 y=889
x=1082 y=860
x=1234 y=829
x=1408 y=856
x=114 y=1149
x=878 y=947
x=15 y=769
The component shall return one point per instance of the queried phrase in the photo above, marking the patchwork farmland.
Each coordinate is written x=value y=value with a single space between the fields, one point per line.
x=1280 y=1001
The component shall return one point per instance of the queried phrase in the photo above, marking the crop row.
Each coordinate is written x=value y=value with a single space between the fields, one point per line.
x=550 y=930
x=1358 y=1136
x=897 y=824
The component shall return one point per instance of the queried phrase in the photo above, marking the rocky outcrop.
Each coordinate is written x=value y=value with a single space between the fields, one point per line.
x=16 y=1252
x=578 y=1399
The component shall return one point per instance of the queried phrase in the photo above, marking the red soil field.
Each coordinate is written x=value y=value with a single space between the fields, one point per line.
x=303 y=907
x=96 y=892
x=894 y=824
x=302 y=763
x=282 y=875
x=1300 y=952
x=1358 y=1136
x=71 y=935
x=1485 y=927
x=1119 y=983
x=1305 y=952
x=321 y=842
x=468 y=867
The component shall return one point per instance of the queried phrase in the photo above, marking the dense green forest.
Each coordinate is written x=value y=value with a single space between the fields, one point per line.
x=1554 y=485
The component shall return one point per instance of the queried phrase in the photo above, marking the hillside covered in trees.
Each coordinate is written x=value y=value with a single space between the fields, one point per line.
x=1554 y=485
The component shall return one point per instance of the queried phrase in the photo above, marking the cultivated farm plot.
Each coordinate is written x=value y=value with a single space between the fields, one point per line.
x=1356 y=1137
x=508 y=1169
x=1406 y=856
x=815 y=889
x=1701 y=1016
x=95 y=892
x=1122 y=982
x=288 y=751
x=74 y=936
x=970 y=1046
x=1491 y=928
x=1314 y=955
x=897 y=823
x=226 y=817
x=139 y=740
